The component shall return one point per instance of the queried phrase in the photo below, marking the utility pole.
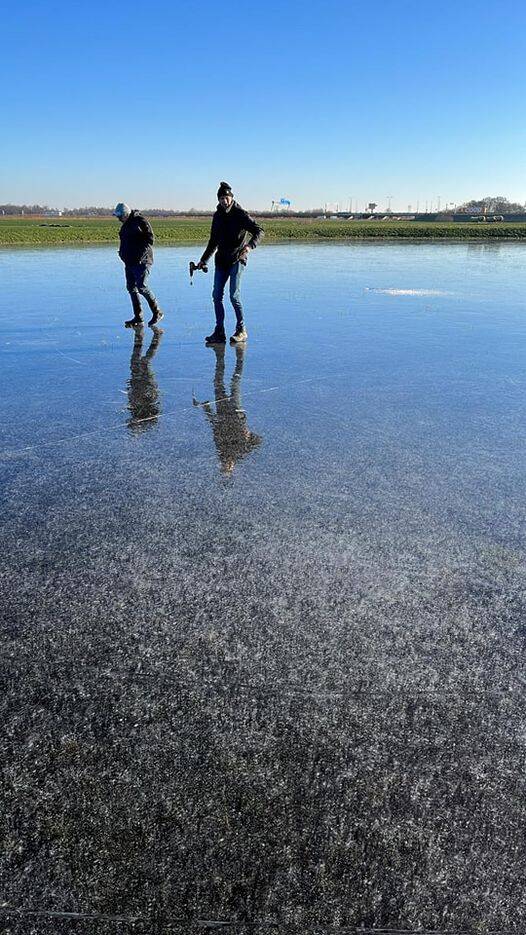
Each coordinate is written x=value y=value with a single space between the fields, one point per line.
x=389 y=198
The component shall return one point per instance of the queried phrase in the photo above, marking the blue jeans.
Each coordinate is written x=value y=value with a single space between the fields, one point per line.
x=220 y=280
x=136 y=276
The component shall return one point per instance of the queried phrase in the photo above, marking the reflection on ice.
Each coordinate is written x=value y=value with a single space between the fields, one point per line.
x=143 y=391
x=232 y=437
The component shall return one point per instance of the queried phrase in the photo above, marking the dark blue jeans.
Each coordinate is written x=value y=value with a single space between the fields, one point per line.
x=220 y=280
x=136 y=276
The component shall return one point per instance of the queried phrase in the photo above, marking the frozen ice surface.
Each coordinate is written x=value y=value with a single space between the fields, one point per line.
x=263 y=632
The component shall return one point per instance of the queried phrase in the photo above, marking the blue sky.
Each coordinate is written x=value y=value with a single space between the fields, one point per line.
x=154 y=103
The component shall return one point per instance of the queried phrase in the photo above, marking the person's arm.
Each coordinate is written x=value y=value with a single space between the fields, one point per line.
x=253 y=228
x=146 y=231
x=212 y=244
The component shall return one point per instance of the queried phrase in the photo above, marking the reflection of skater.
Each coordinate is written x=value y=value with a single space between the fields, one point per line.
x=232 y=437
x=136 y=252
x=143 y=392
x=234 y=234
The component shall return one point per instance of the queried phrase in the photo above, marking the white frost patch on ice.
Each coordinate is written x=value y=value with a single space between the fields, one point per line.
x=408 y=291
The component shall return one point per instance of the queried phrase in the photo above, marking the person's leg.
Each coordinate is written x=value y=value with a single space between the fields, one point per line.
x=220 y=280
x=131 y=286
x=240 y=333
x=143 y=271
x=235 y=293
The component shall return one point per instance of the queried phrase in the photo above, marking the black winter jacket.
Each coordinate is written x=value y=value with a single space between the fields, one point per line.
x=231 y=231
x=136 y=237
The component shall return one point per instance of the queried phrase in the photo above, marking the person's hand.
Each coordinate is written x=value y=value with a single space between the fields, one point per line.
x=243 y=256
x=201 y=265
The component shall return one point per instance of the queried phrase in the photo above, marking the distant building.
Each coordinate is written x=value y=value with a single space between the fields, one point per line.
x=52 y=213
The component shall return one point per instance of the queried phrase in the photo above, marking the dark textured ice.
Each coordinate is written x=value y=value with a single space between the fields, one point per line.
x=264 y=608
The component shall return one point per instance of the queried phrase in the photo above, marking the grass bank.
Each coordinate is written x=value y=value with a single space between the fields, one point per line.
x=173 y=231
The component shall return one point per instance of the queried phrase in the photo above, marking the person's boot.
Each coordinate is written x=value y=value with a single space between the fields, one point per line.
x=240 y=335
x=156 y=317
x=135 y=322
x=137 y=312
x=218 y=336
x=157 y=314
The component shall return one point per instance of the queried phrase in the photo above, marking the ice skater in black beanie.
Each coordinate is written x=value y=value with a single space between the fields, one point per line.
x=233 y=235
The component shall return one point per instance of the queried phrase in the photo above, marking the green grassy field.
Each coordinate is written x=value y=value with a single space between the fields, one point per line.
x=67 y=231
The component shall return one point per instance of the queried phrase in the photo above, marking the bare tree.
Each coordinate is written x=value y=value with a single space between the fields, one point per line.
x=491 y=204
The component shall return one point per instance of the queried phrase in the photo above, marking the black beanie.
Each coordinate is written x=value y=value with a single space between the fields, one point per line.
x=224 y=189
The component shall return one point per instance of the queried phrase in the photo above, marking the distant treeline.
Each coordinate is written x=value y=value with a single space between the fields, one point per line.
x=45 y=210
x=490 y=205
x=23 y=209
x=98 y=212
